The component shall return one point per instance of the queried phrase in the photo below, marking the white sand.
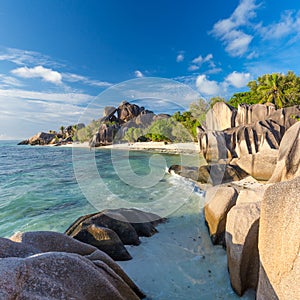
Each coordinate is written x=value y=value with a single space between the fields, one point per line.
x=180 y=261
x=174 y=148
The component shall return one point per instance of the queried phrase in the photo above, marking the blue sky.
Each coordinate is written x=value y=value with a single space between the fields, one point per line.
x=56 y=55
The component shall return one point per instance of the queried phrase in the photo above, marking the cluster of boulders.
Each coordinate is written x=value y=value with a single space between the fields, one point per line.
x=248 y=137
x=257 y=222
x=117 y=120
x=52 y=137
x=76 y=265
x=50 y=265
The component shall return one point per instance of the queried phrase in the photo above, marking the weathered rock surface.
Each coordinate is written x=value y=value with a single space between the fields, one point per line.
x=127 y=224
x=288 y=165
x=246 y=138
x=220 y=116
x=104 y=239
x=49 y=265
x=279 y=242
x=218 y=201
x=220 y=173
x=41 y=138
x=260 y=165
x=242 y=239
x=247 y=114
x=213 y=174
x=117 y=120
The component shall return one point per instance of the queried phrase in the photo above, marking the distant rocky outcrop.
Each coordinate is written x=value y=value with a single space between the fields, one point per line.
x=54 y=138
x=117 y=120
x=110 y=230
x=49 y=265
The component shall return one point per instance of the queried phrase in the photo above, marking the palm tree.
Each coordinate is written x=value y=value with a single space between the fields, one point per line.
x=62 y=128
x=271 y=90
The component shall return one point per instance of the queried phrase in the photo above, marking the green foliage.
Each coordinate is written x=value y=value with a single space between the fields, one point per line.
x=243 y=97
x=199 y=109
x=189 y=122
x=279 y=89
x=214 y=100
x=86 y=133
x=156 y=137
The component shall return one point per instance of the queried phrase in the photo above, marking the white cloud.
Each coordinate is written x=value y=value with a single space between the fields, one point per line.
x=208 y=87
x=79 y=78
x=138 y=74
x=289 y=24
x=237 y=79
x=229 y=30
x=39 y=72
x=75 y=98
x=180 y=57
x=198 y=61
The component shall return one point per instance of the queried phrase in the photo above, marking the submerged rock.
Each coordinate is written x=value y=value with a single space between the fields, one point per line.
x=49 y=265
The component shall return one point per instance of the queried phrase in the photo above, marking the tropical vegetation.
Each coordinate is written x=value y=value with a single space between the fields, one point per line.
x=280 y=89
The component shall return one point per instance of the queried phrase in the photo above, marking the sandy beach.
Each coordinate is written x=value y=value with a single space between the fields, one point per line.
x=176 y=148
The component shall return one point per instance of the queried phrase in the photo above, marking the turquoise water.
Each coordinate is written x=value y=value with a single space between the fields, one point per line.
x=47 y=188
x=39 y=190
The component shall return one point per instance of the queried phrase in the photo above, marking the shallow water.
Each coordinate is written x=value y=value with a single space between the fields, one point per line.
x=39 y=190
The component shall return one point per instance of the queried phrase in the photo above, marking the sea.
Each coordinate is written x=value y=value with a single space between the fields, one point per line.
x=48 y=188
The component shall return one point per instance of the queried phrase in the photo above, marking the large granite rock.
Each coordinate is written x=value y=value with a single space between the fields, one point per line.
x=213 y=174
x=49 y=265
x=41 y=138
x=104 y=239
x=279 y=242
x=220 y=116
x=242 y=239
x=247 y=114
x=105 y=135
x=260 y=165
x=117 y=120
x=108 y=229
x=288 y=165
x=238 y=141
x=218 y=201
x=220 y=173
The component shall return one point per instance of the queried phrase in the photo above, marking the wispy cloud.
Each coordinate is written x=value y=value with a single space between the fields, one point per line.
x=138 y=74
x=8 y=81
x=75 y=98
x=85 y=80
x=231 y=30
x=46 y=74
x=25 y=57
x=289 y=24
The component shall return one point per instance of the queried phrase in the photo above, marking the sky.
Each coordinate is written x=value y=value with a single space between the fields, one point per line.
x=57 y=56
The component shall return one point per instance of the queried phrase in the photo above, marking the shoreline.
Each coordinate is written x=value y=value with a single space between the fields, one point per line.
x=161 y=147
